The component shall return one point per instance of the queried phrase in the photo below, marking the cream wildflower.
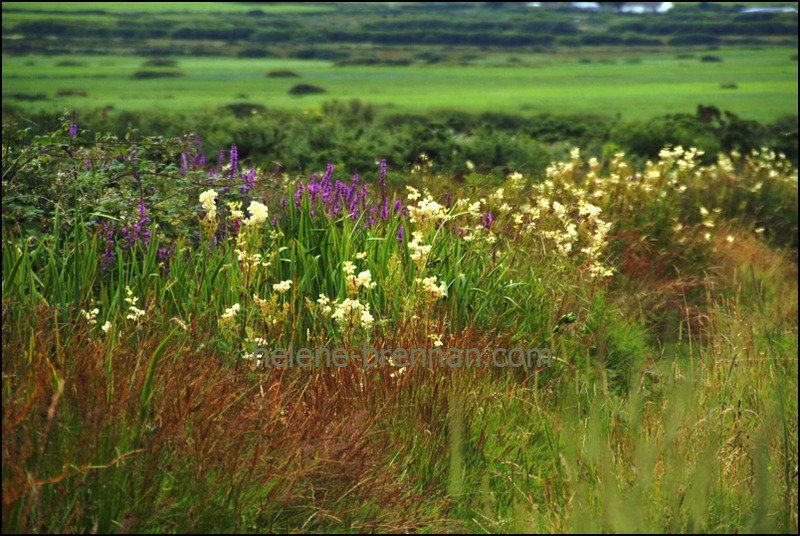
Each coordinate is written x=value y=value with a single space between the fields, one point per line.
x=427 y=209
x=235 y=208
x=91 y=316
x=230 y=312
x=282 y=287
x=324 y=305
x=431 y=289
x=366 y=319
x=207 y=199
x=365 y=280
x=258 y=214
x=106 y=327
x=413 y=193
x=349 y=312
x=134 y=313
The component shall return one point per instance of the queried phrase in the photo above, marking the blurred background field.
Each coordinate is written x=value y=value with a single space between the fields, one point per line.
x=625 y=85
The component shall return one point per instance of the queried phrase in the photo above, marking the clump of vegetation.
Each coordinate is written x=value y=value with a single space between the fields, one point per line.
x=70 y=93
x=282 y=73
x=305 y=89
x=711 y=59
x=373 y=61
x=142 y=75
x=243 y=109
x=160 y=62
x=25 y=96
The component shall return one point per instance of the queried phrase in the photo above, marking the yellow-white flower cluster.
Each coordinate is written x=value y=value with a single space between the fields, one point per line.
x=134 y=313
x=283 y=287
x=258 y=214
x=235 y=208
x=432 y=291
x=250 y=261
x=419 y=252
x=572 y=224
x=352 y=312
x=324 y=305
x=207 y=199
x=228 y=318
x=91 y=316
x=356 y=282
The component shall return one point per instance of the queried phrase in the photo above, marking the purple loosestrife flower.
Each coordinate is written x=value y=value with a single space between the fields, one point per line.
x=73 y=130
x=384 y=199
x=251 y=179
x=107 y=234
x=221 y=162
x=165 y=254
x=488 y=220
x=400 y=234
x=234 y=161
x=183 y=165
x=398 y=204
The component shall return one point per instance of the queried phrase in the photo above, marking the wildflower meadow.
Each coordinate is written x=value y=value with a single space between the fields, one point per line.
x=192 y=347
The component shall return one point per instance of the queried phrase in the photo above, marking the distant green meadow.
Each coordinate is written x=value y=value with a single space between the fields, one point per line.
x=759 y=84
x=162 y=7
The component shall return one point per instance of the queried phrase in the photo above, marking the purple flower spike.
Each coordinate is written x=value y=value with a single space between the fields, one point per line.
x=234 y=161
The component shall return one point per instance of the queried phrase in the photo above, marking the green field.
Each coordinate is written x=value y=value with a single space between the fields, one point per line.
x=161 y=7
x=629 y=85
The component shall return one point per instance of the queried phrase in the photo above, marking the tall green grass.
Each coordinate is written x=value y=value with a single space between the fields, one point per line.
x=670 y=403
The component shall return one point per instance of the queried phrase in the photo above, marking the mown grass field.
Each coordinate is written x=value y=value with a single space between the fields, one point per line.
x=633 y=86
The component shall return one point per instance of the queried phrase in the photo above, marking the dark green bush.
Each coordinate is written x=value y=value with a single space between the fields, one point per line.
x=305 y=89
x=282 y=74
x=143 y=75
x=160 y=62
